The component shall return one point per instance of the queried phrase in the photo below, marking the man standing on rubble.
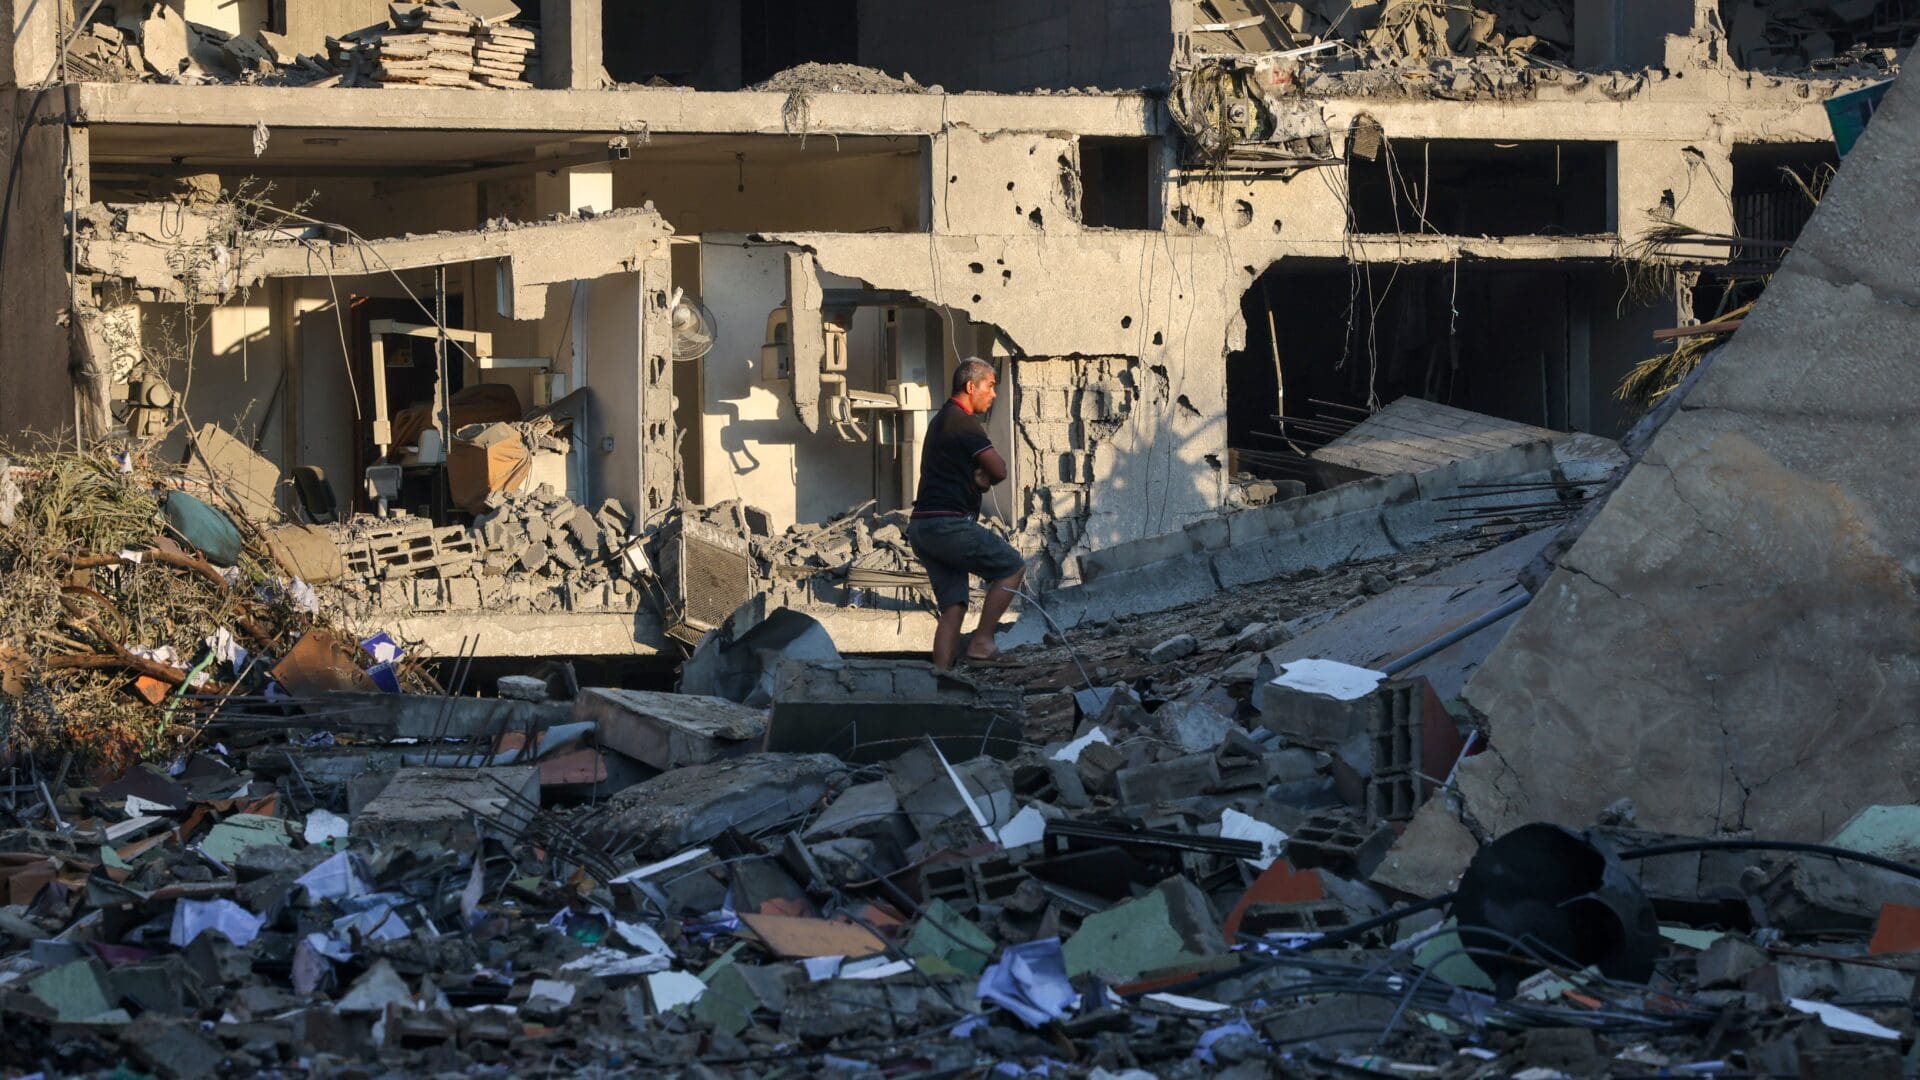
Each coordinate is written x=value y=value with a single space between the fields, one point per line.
x=957 y=465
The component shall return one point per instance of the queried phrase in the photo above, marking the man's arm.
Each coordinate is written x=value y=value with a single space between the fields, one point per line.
x=989 y=468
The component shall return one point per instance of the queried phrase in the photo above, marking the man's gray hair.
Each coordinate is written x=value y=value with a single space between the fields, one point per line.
x=971 y=370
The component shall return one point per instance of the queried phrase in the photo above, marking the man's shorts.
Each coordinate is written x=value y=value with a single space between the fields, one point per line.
x=953 y=547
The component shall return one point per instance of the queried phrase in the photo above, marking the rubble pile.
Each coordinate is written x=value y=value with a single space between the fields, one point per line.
x=1393 y=32
x=431 y=43
x=1203 y=867
x=534 y=551
x=864 y=539
x=818 y=78
x=129 y=597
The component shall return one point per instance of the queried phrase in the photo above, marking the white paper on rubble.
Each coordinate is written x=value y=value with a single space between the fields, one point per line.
x=1071 y=751
x=1235 y=825
x=378 y=923
x=330 y=947
x=139 y=807
x=226 y=649
x=878 y=967
x=642 y=937
x=1331 y=678
x=671 y=989
x=606 y=963
x=322 y=826
x=822 y=967
x=1190 y=1004
x=979 y=816
x=560 y=993
x=1030 y=981
x=191 y=918
x=1028 y=826
x=1840 y=1019
x=651 y=869
x=334 y=879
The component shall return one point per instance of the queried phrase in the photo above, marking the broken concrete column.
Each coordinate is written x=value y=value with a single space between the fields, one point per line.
x=668 y=731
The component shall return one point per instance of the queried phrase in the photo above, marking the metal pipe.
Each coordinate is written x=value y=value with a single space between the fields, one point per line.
x=1456 y=635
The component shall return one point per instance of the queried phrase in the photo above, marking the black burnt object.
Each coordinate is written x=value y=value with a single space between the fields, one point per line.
x=1543 y=893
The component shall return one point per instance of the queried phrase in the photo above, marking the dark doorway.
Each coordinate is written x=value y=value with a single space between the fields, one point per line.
x=1775 y=190
x=778 y=34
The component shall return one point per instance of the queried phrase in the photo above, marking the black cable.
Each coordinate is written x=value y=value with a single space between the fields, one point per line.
x=1686 y=846
x=1337 y=937
x=1348 y=933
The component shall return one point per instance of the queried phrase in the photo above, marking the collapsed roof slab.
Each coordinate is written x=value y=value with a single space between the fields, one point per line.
x=1734 y=642
x=532 y=256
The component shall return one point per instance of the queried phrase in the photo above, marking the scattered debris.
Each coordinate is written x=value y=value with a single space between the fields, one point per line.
x=430 y=43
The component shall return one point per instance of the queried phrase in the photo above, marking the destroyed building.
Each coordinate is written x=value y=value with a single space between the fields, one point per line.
x=738 y=267
x=454 y=588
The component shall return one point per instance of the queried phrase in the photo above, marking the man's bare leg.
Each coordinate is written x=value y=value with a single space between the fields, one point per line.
x=946 y=635
x=980 y=646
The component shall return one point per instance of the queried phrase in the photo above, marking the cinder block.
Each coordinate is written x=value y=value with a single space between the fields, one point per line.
x=1167 y=781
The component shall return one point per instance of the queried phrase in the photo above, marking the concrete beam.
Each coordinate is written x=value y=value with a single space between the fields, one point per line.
x=854 y=631
x=609 y=112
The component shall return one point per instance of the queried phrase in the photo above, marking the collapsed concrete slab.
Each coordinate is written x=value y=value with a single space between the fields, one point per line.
x=1733 y=642
x=1359 y=520
x=1418 y=612
x=688 y=806
x=667 y=731
x=145 y=252
x=868 y=711
x=431 y=808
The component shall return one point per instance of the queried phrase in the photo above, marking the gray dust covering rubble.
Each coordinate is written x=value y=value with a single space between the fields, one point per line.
x=460 y=612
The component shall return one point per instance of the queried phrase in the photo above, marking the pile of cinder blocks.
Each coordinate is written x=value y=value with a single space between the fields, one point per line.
x=534 y=551
x=1389 y=745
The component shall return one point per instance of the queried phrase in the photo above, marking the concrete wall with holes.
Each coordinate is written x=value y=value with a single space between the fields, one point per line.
x=1170 y=302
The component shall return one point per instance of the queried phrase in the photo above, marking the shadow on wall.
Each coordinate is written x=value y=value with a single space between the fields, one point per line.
x=1109 y=452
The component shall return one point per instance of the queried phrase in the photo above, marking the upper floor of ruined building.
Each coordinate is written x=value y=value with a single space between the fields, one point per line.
x=1441 y=48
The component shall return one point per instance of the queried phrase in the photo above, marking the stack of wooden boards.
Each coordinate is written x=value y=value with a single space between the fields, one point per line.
x=458 y=43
